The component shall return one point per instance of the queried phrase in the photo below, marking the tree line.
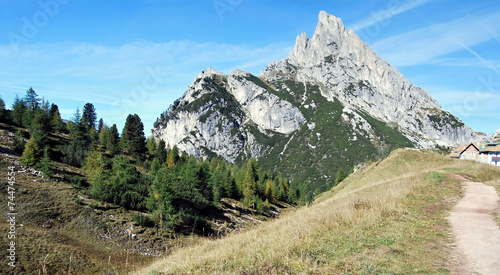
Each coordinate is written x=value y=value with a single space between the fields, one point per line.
x=136 y=172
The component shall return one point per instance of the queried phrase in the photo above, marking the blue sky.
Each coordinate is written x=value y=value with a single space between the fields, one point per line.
x=138 y=56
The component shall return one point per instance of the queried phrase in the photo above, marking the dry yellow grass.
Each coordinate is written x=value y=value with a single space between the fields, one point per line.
x=388 y=218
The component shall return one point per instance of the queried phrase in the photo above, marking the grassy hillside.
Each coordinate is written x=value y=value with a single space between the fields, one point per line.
x=60 y=228
x=387 y=218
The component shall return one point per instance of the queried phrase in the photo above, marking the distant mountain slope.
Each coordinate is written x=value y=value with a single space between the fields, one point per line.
x=332 y=104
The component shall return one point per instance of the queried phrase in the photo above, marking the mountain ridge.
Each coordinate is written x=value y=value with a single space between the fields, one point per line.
x=332 y=104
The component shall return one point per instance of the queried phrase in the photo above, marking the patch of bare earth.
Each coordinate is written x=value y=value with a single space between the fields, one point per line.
x=477 y=236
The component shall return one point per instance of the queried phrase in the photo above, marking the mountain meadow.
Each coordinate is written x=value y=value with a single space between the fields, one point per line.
x=388 y=218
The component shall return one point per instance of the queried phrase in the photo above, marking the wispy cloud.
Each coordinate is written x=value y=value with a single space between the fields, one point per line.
x=393 y=8
x=426 y=45
x=126 y=78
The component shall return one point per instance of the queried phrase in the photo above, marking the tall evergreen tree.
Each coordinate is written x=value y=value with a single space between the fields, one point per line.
x=104 y=136
x=56 y=122
x=40 y=127
x=151 y=146
x=78 y=147
x=18 y=109
x=133 y=136
x=89 y=116
x=113 y=144
x=161 y=151
x=100 y=124
x=46 y=164
x=32 y=100
x=3 y=111
x=250 y=182
x=270 y=195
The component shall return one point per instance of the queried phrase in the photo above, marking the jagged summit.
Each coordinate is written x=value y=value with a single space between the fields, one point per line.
x=347 y=69
x=332 y=103
x=329 y=35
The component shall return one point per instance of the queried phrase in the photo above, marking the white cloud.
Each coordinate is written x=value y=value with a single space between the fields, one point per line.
x=140 y=77
x=393 y=8
x=426 y=45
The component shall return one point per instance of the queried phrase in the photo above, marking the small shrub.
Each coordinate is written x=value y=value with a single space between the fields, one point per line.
x=143 y=220
x=78 y=201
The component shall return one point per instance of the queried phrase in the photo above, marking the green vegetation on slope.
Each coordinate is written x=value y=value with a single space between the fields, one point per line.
x=314 y=154
x=388 y=218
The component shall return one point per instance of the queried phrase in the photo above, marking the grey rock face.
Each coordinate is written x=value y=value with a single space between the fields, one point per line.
x=348 y=70
x=232 y=115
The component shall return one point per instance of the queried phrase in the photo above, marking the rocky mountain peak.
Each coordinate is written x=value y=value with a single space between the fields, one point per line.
x=332 y=103
x=348 y=70
x=329 y=35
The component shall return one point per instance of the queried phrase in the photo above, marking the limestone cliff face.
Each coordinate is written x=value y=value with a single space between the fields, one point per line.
x=221 y=114
x=331 y=104
x=348 y=70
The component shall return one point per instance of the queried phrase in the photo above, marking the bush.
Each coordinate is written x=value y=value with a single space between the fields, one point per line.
x=132 y=200
x=75 y=181
x=143 y=220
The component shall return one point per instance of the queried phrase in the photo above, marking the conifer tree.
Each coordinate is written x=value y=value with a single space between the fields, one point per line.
x=113 y=144
x=100 y=124
x=55 y=119
x=89 y=116
x=31 y=154
x=18 y=109
x=46 y=164
x=151 y=146
x=32 y=100
x=3 y=111
x=133 y=136
x=173 y=157
x=161 y=151
x=250 y=182
x=103 y=136
x=270 y=196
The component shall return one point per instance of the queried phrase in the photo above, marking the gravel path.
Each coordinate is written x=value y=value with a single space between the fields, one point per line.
x=477 y=236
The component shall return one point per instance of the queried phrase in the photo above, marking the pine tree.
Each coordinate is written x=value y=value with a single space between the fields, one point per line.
x=46 y=165
x=31 y=154
x=32 y=100
x=250 y=182
x=56 y=122
x=104 y=136
x=270 y=196
x=18 y=109
x=151 y=146
x=155 y=166
x=100 y=124
x=113 y=144
x=161 y=151
x=133 y=136
x=89 y=116
x=40 y=127
x=3 y=111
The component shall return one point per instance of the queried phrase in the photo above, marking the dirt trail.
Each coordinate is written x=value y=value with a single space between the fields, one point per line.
x=477 y=236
